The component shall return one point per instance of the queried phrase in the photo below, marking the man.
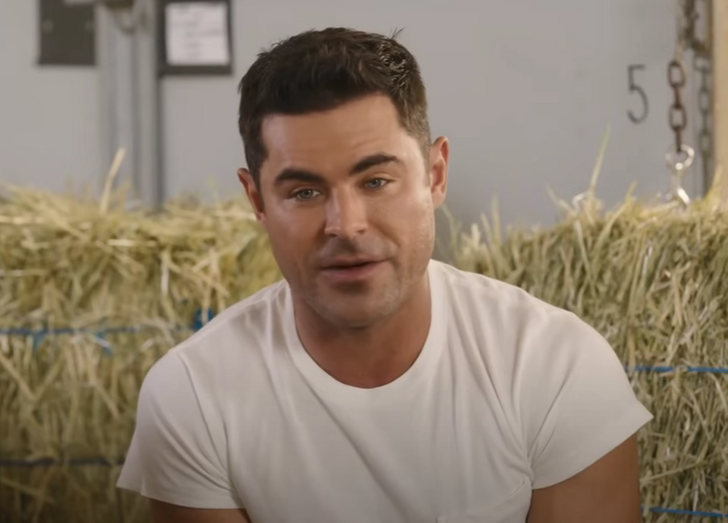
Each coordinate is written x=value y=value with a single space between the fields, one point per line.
x=374 y=384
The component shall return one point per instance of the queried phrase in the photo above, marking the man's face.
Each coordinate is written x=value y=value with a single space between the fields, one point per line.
x=349 y=204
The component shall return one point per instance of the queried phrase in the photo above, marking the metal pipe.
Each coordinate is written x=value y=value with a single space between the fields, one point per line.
x=130 y=96
x=148 y=107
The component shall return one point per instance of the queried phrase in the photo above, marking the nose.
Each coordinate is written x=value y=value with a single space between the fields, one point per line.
x=346 y=215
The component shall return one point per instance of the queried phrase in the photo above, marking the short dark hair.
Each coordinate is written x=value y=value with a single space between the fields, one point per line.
x=321 y=69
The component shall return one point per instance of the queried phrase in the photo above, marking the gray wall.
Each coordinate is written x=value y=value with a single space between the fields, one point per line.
x=49 y=117
x=524 y=90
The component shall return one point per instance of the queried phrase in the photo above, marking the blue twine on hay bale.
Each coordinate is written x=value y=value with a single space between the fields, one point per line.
x=202 y=316
x=199 y=319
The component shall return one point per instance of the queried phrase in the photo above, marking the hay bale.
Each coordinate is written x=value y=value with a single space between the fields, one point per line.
x=98 y=292
x=653 y=279
x=91 y=295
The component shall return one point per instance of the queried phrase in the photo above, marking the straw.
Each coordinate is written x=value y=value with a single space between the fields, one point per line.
x=93 y=292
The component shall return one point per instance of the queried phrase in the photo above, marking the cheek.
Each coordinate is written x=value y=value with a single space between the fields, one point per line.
x=292 y=233
x=409 y=219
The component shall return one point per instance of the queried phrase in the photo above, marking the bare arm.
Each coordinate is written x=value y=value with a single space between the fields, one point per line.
x=167 y=513
x=606 y=492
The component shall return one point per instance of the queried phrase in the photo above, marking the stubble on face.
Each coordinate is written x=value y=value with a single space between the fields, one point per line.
x=383 y=214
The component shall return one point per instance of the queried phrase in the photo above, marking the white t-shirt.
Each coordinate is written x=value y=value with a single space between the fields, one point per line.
x=508 y=394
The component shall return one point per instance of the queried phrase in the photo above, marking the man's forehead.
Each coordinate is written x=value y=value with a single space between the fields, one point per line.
x=288 y=137
x=357 y=114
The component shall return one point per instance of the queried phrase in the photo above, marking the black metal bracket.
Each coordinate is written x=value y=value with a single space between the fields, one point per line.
x=67 y=33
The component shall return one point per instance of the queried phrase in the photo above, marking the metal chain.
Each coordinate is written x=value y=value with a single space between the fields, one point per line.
x=690 y=16
x=705 y=102
x=702 y=64
x=678 y=115
x=680 y=159
x=689 y=40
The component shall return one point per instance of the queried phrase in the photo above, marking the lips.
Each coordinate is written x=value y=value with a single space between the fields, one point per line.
x=350 y=270
x=347 y=264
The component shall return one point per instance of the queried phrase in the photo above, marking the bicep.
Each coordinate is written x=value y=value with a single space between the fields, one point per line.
x=167 y=513
x=605 y=492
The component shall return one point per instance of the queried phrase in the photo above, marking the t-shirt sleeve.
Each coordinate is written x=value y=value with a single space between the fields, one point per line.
x=579 y=404
x=172 y=456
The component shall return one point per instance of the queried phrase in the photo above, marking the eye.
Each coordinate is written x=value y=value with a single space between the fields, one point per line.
x=304 y=195
x=376 y=183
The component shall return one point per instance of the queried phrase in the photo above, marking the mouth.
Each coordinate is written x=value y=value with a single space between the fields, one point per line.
x=340 y=266
x=347 y=271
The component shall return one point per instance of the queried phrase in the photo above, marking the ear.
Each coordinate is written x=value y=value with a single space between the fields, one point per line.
x=439 y=158
x=254 y=196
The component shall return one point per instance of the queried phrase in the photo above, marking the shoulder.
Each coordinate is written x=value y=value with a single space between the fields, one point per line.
x=226 y=354
x=562 y=384
x=240 y=327
x=501 y=304
x=523 y=337
x=223 y=353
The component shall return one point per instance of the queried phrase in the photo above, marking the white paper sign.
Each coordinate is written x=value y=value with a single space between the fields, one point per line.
x=197 y=34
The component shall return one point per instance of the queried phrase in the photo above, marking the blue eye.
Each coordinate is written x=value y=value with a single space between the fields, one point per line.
x=376 y=183
x=305 y=194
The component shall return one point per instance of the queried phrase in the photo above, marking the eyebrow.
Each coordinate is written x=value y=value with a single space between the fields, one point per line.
x=366 y=163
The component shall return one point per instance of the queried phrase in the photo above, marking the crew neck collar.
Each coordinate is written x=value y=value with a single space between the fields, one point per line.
x=329 y=387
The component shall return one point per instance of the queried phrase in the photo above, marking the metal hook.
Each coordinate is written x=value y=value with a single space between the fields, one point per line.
x=679 y=162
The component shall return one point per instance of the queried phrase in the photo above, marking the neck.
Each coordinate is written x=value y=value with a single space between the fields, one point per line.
x=372 y=356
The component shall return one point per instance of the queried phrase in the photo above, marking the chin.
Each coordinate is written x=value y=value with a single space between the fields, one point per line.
x=352 y=320
x=355 y=317
x=358 y=308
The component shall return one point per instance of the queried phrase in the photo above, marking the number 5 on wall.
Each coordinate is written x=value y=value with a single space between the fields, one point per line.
x=634 y=88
